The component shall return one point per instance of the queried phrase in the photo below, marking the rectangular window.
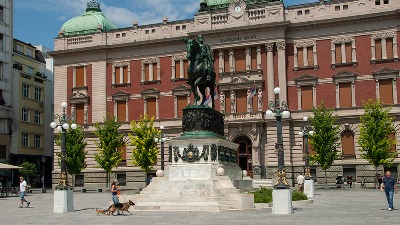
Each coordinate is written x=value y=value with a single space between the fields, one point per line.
x=121 y=179
x=177 y=68
x=241 y=101
x=227 y=102
x=151 y=107
x=307 y=98
x=79 y=114
x=20 y=48
x=121 y=111
x=1 y=70
x=377 y=2
x=117 y=75
x=1 y=13
x=37 y=141
x=25 y=115
x=182 y=103
x=338 y=53
x=25 y=140
x=29 y=52
x=310 y=56
x=253 y=58
x=349 y=52
x=3 y=152
x=80 y=76
x=38 y=94
x=378 y=49
x=300 y=61
x=147 y=72
x=345 y=7
x=185 y=68
x=240 y=59
x=226 y=61
x=345 y=95
x=30 y=70
x=389 y=48
x=1 y=41
x=386 y=91
x=38 y=117
x=123 y=153
x=25 y=91
x=125 y=74
x=154 y=71
x=2 y=102
x=79 y=180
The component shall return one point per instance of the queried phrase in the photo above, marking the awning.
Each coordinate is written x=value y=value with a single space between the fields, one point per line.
x=9 y=167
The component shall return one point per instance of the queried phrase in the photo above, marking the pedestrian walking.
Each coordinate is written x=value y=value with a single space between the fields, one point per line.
x=23 y=188
x=379 y=178
x=300 y=182
x=115 y=191
x=390 y=185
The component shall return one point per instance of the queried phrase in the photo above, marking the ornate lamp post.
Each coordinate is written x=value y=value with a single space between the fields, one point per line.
x=278 y=110
x=161 y=140
x=305 y=131
x=63 y=126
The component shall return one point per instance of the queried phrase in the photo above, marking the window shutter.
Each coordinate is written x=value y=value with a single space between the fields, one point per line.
x=345 y=95
x=80 y=114
x=185 y=68
x=338 y=53
x=378 y=49
x=392 y=137
x=151 y=107
x=182 y=103
x=227 y=102
x=389 y=48
x=125 y=74
x=300 y=61
x=306 y=98
x=386 y=91
x=348 y=143
x=147 y=72
x=117 y=75
x=253 y=58
x=241 y=101
x=240 y=59
x=80 y=76
x=310 y=56
x=121 y=111
x=155 y=77
x=349 y=51
x=177 y=68
x=226 y=61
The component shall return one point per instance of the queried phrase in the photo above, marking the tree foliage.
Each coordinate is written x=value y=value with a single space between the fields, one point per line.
x=145 y=152
x=109 y=143
x=28 y=169
x=74 y=150
x=326 y=136
x=376 y=126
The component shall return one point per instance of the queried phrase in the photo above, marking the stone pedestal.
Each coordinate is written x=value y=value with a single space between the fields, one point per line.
x=63 y=201
x=282 y=201
x=309 y=188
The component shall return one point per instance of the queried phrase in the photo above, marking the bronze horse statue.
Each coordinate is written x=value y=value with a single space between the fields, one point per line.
x=201 y=72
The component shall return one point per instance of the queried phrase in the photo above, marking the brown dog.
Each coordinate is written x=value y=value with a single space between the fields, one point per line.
x=101 y=211
x=120 y=207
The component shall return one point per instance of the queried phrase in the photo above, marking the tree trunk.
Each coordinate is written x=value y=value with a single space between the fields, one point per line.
x=73 y=181
x=376 y=173
x=107 y=179
x=326 y=181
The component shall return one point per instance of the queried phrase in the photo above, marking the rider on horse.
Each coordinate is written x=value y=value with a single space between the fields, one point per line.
x=207 y=56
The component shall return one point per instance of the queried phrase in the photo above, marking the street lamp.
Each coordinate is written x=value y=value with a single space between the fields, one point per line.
x=63 y=127
x=43 y=162
x=161 y=140
x=305 y=131
x=278 y=110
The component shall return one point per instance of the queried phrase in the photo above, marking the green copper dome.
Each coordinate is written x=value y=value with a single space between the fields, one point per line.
x=90 y=22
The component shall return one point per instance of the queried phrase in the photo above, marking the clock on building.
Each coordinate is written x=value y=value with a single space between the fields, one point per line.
x=236 y=8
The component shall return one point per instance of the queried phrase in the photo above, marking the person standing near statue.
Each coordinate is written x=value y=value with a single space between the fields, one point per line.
x=300 y=182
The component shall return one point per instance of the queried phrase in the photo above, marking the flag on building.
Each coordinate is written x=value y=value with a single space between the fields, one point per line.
x=208 y=100
x=253 y=91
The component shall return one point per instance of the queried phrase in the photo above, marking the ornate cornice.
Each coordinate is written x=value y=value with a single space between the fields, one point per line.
x=306 y=79
x=181 y=56
x=299 y=44
x=344 y=76
x=387 y=34
x=121 y=63
x=385 y=73
x=151 y=60
x=342 y=40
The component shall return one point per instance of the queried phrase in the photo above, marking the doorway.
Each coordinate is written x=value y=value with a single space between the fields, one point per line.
x=244 y=154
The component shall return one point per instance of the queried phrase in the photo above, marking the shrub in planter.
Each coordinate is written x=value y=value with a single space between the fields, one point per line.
x=298 y=196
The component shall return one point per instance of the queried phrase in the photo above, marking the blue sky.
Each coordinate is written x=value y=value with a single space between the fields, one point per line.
x=38 y=21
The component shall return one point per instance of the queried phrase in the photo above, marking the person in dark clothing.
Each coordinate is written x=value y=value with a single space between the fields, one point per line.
x=379 y=177
x=390 y=185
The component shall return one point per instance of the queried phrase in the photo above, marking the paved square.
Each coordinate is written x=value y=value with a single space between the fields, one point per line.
x=336 y=206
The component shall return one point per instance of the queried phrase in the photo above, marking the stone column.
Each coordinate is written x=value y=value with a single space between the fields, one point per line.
x=281 y=46
x=270 y=71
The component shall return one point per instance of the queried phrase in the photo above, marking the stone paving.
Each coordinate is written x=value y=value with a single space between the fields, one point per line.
x=334 y=206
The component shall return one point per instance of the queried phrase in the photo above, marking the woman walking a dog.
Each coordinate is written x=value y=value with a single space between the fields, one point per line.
x=115 y=191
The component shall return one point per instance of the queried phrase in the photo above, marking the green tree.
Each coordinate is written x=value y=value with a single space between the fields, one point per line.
x=109 y=144
x=326 y=137
x=75 y=151
x=28 y=169
x=375 y=128
x=145 y=152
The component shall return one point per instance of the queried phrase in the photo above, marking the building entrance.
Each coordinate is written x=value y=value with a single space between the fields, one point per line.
x=244 y=154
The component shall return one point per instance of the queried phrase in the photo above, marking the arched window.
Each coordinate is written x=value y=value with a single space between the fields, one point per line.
x=348 y=150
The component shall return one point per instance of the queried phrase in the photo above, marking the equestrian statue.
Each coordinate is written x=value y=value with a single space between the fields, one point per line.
x=201 y=73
